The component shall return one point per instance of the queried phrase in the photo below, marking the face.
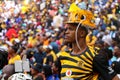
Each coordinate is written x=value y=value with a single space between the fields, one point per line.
x=116 y=51
x=33 y=72
x=10 y=50
x=70 y=33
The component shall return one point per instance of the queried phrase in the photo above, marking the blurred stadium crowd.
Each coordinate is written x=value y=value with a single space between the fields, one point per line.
x=33 y=31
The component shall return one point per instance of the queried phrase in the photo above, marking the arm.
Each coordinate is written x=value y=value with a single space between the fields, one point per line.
x=116 y=67
x=116 y=78
x=101 y=66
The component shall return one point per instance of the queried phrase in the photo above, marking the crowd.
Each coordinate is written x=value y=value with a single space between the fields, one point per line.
x=32 y=31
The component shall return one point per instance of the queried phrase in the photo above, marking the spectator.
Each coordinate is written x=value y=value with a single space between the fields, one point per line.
x=48 y=60
x=39 y=56
x=36 y=69
x=54 y=45
x=48 y=72
x=13 y=54
x=7 y=71
x=56 y=68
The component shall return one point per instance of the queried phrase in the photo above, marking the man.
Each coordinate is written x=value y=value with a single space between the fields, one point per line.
x=116 y=64
x=36 y=71
x=7 y=71
x=49 y=58
x=13 y=54
x=56 y=68
x=47 y=69
x=39 y=56
x=78 y=64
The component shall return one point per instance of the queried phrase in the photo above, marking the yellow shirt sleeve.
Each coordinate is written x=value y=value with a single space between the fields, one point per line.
x=54 y=55
x=12 y=60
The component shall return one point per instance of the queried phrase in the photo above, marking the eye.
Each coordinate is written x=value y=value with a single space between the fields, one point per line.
x=65 y=29
x=83 y=17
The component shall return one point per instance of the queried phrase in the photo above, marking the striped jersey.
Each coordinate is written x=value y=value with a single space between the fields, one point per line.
x=78 y=67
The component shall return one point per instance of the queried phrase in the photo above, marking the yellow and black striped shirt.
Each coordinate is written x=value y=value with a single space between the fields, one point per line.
x=78 y=67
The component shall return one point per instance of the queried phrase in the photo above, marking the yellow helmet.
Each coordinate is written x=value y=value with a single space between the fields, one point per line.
x=85 y=17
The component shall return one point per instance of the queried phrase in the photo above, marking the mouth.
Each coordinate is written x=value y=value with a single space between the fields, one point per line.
x=66 y=37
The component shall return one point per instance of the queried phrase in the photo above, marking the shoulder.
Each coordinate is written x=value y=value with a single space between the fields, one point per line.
x=92 y=49
x=17 y=56
x=62 y=53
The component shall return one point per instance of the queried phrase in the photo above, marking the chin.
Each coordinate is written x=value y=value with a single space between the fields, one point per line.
x=66 y=42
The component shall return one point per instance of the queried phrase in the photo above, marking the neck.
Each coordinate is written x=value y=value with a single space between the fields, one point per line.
x=13 y=54
x=35 y=76
x=56 y=72
x=82 y=45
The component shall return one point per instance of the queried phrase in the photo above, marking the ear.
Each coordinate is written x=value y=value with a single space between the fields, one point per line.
x=81 y=34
